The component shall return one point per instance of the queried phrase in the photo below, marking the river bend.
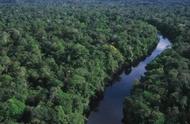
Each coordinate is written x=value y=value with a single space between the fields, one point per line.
x=110 y=108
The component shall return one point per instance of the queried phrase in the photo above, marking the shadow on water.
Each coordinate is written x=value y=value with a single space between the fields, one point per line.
x=109 y=109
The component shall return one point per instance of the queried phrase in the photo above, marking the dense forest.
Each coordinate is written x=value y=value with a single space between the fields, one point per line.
x=54 y=59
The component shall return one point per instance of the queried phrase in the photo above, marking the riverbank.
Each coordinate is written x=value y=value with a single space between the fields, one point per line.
x=101 y=116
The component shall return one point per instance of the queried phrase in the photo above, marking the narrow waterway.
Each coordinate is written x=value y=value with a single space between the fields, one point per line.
x=109 y=111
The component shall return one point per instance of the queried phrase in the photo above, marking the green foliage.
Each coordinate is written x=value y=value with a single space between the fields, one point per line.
x=15 y=108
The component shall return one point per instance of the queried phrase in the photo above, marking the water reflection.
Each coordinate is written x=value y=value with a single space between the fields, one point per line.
x=109 y=110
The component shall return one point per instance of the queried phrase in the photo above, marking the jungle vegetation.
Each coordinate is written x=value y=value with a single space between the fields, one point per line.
x=54 y=58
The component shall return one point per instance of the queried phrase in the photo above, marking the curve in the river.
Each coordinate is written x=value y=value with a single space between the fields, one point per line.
x=110 y=108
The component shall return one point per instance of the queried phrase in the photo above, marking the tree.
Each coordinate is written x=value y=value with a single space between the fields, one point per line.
x=15 y=108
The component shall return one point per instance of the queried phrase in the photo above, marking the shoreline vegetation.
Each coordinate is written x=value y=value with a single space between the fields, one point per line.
x=94 y=100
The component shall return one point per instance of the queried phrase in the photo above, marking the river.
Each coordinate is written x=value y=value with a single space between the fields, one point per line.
x=110 y=108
